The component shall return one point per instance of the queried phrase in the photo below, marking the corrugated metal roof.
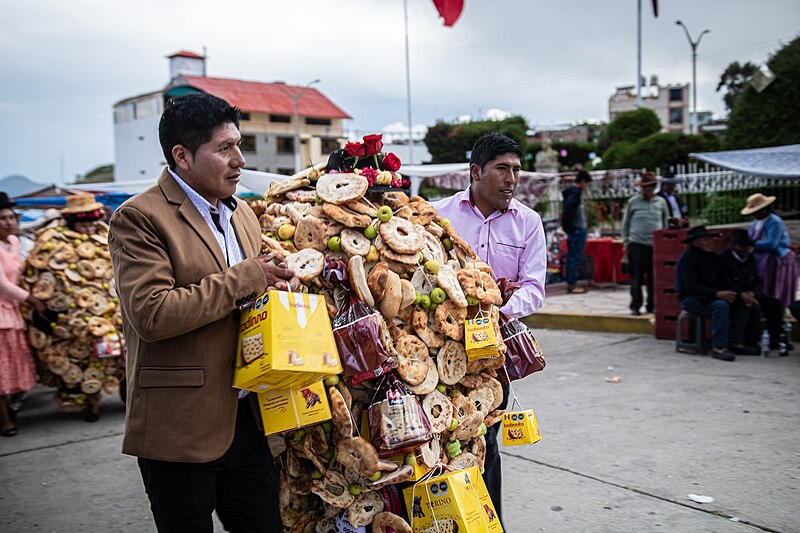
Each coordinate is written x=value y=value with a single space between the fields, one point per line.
x=273 y=98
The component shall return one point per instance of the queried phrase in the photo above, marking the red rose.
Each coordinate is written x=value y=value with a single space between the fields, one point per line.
x=391 y=162
x=373 y=143
x=355 y=149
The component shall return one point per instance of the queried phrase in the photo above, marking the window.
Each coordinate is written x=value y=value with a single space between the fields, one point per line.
x=244 y=116
x=676 y=95
x=286 y=171
x=285 y=119
x=285 y=145
x=248 y=143
x=316 y=121
x=676 y=116
x=329 y=145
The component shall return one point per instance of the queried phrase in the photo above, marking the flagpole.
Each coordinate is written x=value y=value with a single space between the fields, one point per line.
x=639 y=55
x=408 y=90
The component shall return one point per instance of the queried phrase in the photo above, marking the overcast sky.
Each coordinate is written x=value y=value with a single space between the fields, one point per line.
x=64 y=64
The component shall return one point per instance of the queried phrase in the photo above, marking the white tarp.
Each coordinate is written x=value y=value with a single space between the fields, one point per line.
x=771 y=162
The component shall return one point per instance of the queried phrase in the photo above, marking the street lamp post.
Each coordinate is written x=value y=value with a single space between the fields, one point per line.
x=296 y=100
x=694 y=45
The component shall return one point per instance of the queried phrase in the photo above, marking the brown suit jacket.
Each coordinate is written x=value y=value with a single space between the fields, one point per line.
x=178 y=299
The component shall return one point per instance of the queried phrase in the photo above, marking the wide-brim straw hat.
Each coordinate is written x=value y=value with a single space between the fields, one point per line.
x=648 y=178
x=757 y=202
x=81 y=203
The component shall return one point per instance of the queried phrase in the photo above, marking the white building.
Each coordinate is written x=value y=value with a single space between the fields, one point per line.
x=669 y=102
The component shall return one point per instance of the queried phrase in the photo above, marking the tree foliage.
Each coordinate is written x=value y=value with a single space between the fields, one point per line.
x=659 y=150
x=101 y=174
x=769 y=118
x=577 y=153
x=449 y=143
x=631 y=126
x=734 y=80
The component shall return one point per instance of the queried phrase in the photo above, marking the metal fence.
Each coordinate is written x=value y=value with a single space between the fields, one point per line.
x=714 y=196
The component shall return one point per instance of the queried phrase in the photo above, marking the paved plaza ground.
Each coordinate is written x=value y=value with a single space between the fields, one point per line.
x=615 y=457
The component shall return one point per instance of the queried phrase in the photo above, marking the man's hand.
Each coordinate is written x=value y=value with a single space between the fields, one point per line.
x=748 y=298
x=277 y=275
x=728 y=296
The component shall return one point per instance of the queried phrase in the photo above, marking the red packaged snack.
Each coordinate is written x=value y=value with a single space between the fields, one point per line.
x=523 y=353
x=397 y=422
x=363 y=340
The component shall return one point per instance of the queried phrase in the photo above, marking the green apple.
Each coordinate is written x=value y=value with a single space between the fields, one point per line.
x=328 y=453
x=316 y=474
x=77 y=242
x=331 y=381
x=319 y=201
x=448 y=243
x=370 y=232
x=455 y=393
x=327 y=426
x=433 y=307
x=385 y=213
x=438 y=295
x=425 y=301
x=453 y=424
x=286 y=231
x=482 y=430
x=410 y=459
x=431 y=267
x=444 y=222
x=376 y=476
x=441 y=387
x=335 y=243
x=453 y=449
x=354 y=489
x=471 y=300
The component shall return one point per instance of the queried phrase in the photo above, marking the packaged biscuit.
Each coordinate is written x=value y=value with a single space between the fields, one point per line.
x=285 y=341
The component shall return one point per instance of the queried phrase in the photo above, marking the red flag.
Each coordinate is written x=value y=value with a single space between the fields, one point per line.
x=655 y=8
x=450 y=10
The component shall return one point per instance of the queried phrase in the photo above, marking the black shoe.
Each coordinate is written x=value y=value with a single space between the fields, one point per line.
x=723 y=356
x=636 y=312
x=92 y=417
x=744 y=350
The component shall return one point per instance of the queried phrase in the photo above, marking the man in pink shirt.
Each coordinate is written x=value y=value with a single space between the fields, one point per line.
x=509 y=237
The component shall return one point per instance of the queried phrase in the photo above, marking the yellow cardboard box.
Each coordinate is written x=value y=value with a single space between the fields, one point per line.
x=285 y=409
x=480 y=339
x=520 y=427
x=285 y=341
x=453 y=501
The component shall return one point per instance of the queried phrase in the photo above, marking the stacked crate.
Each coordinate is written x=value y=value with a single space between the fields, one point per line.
x=667 y=249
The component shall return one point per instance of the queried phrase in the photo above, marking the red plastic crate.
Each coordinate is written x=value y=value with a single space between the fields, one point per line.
x=666 y=326
x=668 y=243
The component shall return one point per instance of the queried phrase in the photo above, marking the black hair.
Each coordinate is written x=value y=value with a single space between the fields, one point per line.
x=491 y=145
x=583 y=176
x=190 y=120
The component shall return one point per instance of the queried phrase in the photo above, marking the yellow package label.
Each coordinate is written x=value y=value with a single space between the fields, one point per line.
x=479 y=338
x=454 y=501
x=520 y=427
x=285 y=341
x=285 y=409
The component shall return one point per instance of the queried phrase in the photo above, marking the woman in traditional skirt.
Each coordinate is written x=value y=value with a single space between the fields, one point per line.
x=776 y=261
x=17 y=370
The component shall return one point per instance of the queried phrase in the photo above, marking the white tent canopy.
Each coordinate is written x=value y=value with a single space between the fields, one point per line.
x=771 y=162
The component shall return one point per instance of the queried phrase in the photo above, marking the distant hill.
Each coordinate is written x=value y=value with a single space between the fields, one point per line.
x=19 y=185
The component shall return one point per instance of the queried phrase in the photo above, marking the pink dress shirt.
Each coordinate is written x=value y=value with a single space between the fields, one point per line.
x=511 y=242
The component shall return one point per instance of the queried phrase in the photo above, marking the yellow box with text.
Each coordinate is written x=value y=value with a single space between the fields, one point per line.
x=286 y=409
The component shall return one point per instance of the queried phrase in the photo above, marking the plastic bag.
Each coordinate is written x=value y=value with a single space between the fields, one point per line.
x=397 y=422
x=523 y=354
x=363 y=341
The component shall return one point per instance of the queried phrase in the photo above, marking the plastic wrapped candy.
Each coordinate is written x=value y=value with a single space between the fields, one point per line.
x=397 y=422
x=363 y=341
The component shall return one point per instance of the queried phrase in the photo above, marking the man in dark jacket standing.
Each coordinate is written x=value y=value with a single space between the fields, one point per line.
x=573 y=221
x=678 y=211
x=739 y=273
x=697 y=281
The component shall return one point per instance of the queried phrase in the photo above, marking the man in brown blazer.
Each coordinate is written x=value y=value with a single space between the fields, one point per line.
x=185 y=255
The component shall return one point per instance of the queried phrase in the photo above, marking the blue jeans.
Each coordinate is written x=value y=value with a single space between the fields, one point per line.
x=576 y=241
x=718 y=311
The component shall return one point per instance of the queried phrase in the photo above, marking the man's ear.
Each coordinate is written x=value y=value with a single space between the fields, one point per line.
x=183 y=157
x=475 y=171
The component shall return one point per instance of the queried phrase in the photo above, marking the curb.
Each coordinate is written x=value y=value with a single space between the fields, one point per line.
x=597 y=323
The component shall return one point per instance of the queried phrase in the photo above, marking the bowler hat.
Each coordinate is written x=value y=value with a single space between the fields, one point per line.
x=740 y=236
x=697 y=232
x=669 y=177
x=757 y=202
x=6 y=202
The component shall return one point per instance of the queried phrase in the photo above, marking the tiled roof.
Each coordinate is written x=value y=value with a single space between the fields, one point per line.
x=273 y=98
x=185 y=53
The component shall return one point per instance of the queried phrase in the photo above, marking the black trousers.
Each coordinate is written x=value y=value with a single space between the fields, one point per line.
x=640 y=262
x=241 y=486
x=492 y=471
x=745 y=324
